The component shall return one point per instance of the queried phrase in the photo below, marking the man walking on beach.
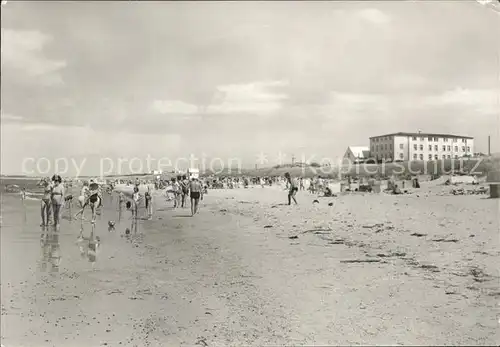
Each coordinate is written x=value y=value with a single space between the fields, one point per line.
x=195 y=193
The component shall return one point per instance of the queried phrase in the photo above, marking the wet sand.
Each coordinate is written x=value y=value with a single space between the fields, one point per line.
x=370 y=269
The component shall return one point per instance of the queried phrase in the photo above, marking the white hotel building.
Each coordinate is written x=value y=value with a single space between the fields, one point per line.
x=420 y=146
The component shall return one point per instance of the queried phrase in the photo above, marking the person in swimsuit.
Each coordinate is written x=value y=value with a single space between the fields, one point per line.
x=149 y=205
x=292 y=189
x=46 y=205
x=185 y=190
x=94 y=200
x=23 y=194
x=195 y=194
x=84 y=193
x=136 y=197
x=57 y=198
x=121 y=200
x=176 y=187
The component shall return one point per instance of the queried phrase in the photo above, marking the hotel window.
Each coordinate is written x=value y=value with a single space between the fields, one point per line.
x=449 y=156
x=468 y=149
x=430 y=147
x=415 y=156
x=454 y=140
x=436 y=157
x=436 y=148
x=463 y=148
x=422 y=138
x=401 y=146
x=401 y=156
x=414 y=138
x=444 y=156
x=436 y=139
x=449 y=148
x=463 y=140
x=415 y=147
x=385 y=146
x=430 y=156
x=421 y=147
x=429 y=138
x=444 y=148
x=390 y=146
x=445 y=139
x=421 y=157
x=456 y=148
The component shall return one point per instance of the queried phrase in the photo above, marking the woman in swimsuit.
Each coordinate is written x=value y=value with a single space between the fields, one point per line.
x=46 y=206
x=57 y=198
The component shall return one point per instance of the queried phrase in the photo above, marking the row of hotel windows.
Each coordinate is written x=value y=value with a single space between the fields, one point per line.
x=436 y=148
x=436 y=139
x=436 y=157
x=415 y=147
x=421 y=156
x=422 y=138
x=380 y=139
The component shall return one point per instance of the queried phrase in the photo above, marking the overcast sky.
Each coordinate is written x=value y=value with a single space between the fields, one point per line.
x=122 y=79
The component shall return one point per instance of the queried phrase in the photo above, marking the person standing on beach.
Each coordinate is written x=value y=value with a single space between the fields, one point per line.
x=195 y=194
x=176 y=188
x=84 y=192
x=149 y=205
x=23 y=194
x=185 y=190
x=136 y=197
x=46 y=204
x=292 y=189
x=57 y=197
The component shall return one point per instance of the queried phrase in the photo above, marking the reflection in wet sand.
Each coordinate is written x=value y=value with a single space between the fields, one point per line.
x=89 y=246
x=50 y=247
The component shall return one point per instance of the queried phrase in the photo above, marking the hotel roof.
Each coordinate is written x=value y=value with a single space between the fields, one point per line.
x=424 y=134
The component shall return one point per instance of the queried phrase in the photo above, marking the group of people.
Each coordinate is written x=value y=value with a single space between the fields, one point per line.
x=53 y=199
x=182 y=187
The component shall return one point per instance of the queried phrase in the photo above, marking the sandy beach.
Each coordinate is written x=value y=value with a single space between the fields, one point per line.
x=416 y=269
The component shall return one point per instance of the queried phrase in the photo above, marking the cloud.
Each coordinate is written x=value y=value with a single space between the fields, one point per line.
x=374 y=16
x=22 y=50
x=485 y=101
x=10 y=117
x=256 y=98
x=173 y=106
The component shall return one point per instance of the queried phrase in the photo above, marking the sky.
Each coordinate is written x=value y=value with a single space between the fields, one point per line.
x=87 y=83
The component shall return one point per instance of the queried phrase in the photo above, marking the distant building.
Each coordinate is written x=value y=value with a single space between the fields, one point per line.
x=420 y=146
x=357 y=154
